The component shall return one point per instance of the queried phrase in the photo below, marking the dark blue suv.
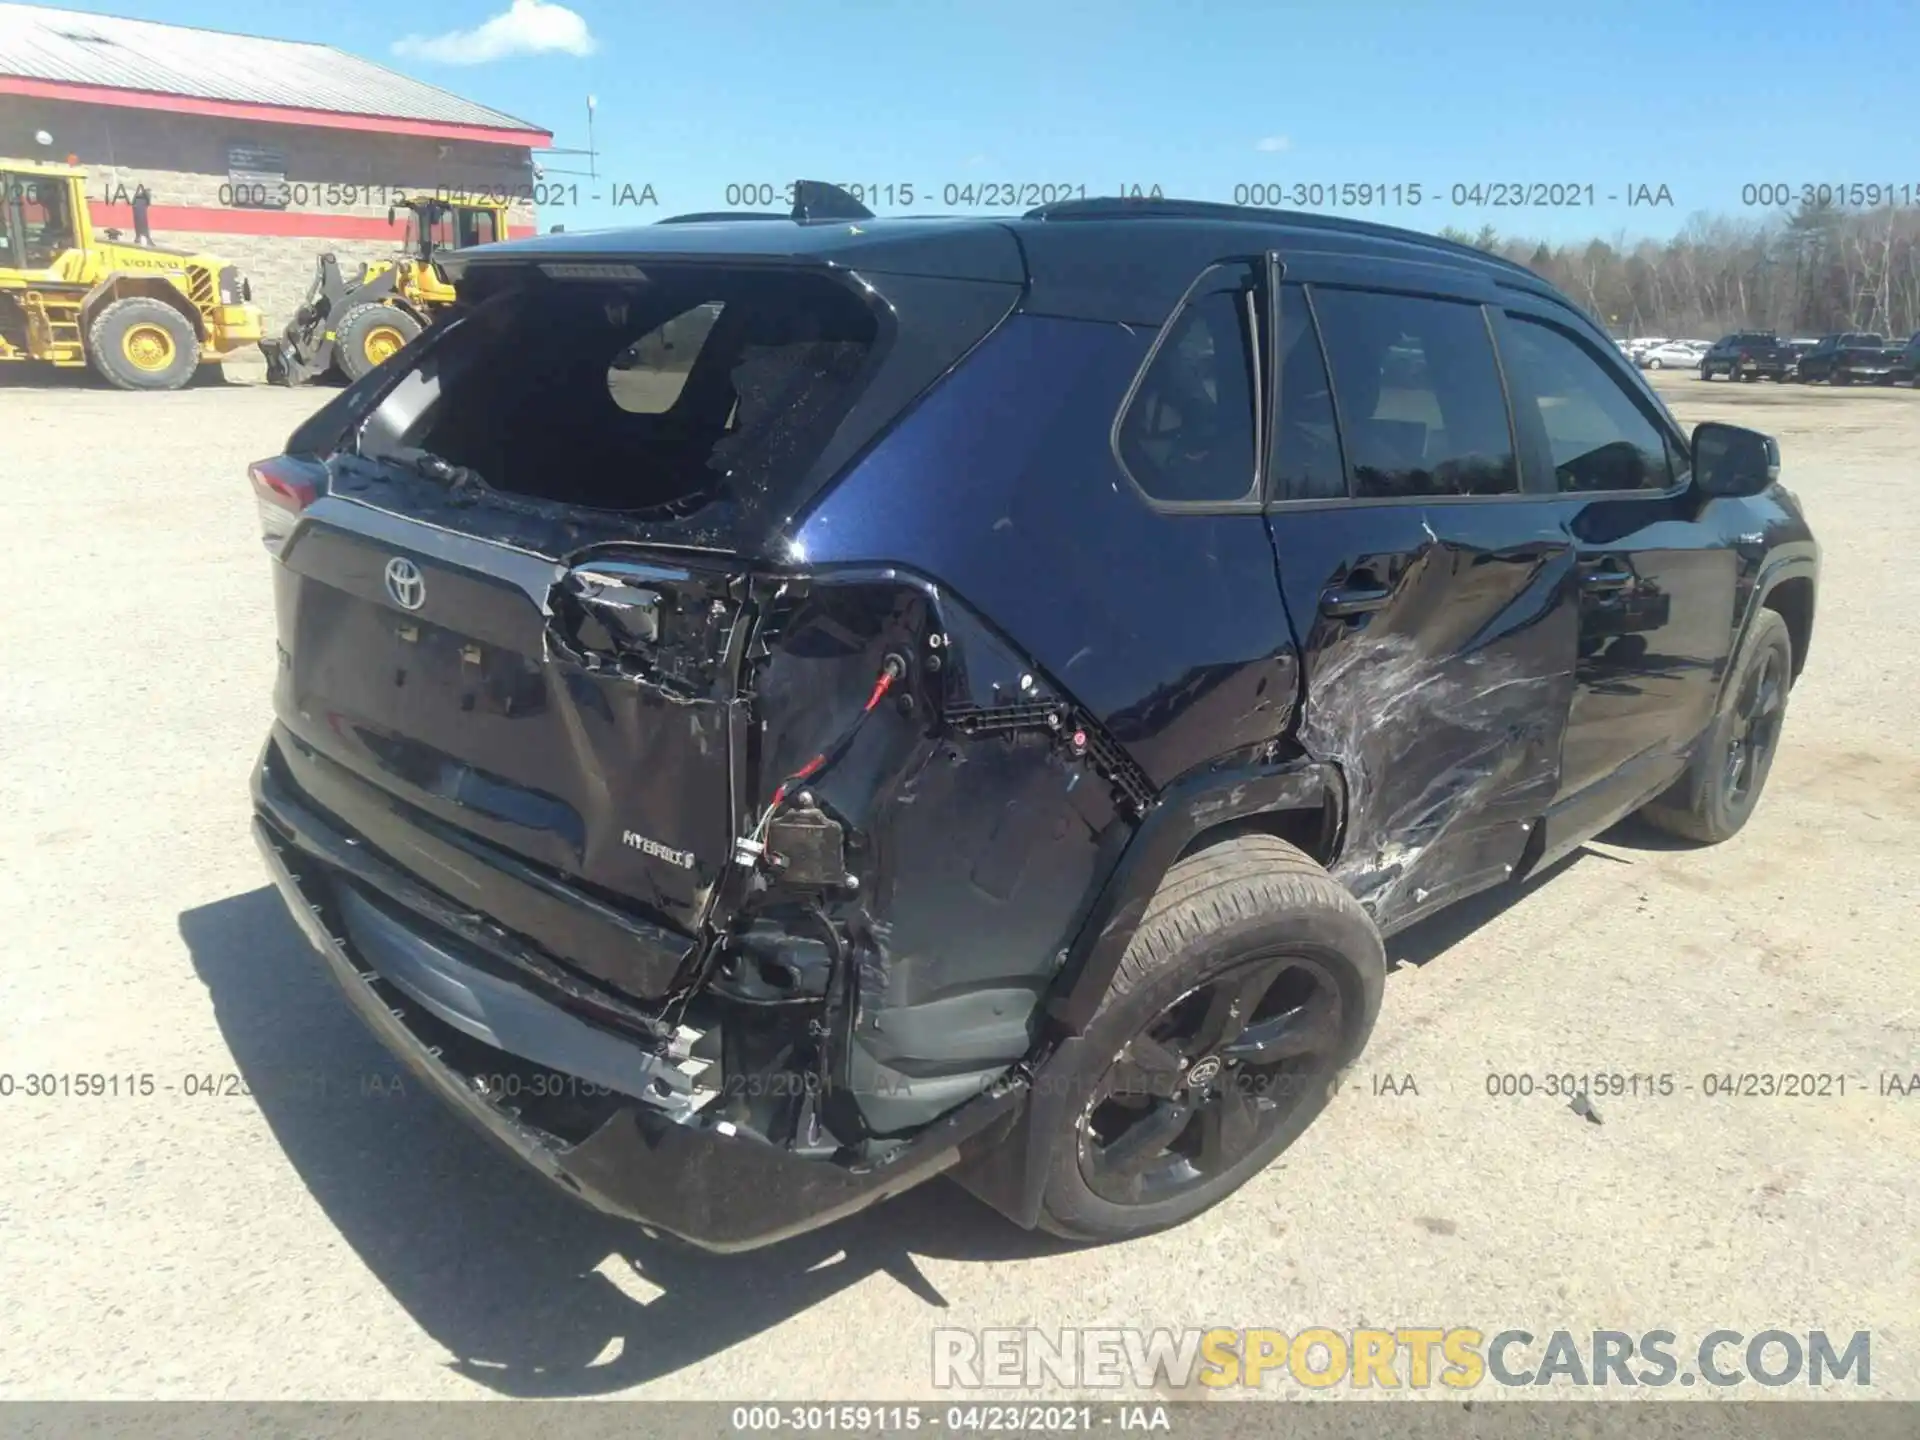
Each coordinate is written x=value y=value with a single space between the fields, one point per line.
x=775 y=708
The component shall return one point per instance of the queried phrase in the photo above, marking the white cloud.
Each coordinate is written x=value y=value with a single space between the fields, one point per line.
x=1274 y=144
x=527 y=27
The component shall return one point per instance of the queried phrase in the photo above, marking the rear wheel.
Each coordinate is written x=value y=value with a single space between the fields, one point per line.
x=140 y=343
x=369 y=335
x=1722 y=783
x=1252 y=980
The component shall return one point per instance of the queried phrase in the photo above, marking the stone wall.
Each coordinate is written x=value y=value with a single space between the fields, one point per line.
x=341 y=184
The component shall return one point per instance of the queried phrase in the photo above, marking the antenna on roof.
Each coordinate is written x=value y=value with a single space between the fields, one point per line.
x=817 y=200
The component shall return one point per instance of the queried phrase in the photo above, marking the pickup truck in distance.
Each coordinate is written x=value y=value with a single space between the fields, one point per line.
x=1906 y=365
x=1853 y=355
x=1749 y=355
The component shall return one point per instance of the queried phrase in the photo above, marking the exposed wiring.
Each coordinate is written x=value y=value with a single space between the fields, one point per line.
x=894 y=669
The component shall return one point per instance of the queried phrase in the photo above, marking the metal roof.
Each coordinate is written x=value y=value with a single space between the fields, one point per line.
x=78 y=48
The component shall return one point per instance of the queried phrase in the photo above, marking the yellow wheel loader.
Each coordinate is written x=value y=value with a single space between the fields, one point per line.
x=143 y=318
x=353 y=325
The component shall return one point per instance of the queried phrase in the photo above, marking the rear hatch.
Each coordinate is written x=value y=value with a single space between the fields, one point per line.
x=517 y=581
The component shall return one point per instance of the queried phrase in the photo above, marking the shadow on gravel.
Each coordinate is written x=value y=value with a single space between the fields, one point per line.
x=1431 y=938
x=527 y=1287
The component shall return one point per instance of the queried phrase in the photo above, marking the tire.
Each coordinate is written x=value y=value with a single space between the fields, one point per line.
x=1653 y=364
x=1839 y=377
x=1705 y=373
x=140 y=343
x=1705 y=804
x=368 y=334
x=1249 y=927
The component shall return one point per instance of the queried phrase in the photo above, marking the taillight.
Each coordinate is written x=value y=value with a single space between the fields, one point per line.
x=283 y=487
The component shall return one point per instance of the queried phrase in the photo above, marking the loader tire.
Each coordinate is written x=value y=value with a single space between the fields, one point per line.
x=140 y=343
x=368 y=334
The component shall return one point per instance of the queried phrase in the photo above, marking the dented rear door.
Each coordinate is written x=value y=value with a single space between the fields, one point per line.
x=1429 y=596
x=570 y=712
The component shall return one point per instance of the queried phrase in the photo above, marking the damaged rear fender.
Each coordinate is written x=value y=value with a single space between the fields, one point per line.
x=919 y=853
x=1301 y=799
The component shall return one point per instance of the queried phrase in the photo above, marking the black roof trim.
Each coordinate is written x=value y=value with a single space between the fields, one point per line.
x=1143 y=209
x=705 y=217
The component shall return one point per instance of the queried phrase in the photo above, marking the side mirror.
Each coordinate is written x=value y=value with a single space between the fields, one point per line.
x=1732 y=460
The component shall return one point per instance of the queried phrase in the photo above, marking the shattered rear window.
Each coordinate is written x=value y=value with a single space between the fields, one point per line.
x=694 y=395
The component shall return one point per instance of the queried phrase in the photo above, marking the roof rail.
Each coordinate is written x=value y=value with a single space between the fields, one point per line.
x=697 y=217
x=1144 y=209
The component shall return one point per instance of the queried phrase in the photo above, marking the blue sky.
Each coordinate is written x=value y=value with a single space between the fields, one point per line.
x=1698 y=97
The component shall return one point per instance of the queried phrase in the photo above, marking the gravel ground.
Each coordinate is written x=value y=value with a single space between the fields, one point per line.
x=327 y=1236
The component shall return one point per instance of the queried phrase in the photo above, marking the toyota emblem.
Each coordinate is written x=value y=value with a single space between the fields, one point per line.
x=405 y=583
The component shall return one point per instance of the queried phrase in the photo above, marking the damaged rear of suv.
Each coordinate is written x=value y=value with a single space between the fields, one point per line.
x=770 y=711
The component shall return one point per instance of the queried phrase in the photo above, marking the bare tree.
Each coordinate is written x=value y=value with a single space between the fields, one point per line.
x=1818 y=269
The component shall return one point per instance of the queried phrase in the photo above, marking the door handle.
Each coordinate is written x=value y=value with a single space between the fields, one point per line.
x=1608 y=579
x=1341 y=601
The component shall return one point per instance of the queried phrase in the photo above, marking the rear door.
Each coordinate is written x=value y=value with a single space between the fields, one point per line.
x=1656 y=585
x=476 y=620
x=1430 y=595
x=513 y=628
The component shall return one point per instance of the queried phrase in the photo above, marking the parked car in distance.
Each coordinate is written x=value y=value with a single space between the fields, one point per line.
x=1843 y=358
x=1906 y=369
x=1748 y=355
x=750 y=795
x=1672 y=355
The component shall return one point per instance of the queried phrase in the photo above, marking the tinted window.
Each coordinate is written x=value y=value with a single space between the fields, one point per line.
x=1306 y=445
x=1600 y=439
x=1188 y=434
x=1421 y=408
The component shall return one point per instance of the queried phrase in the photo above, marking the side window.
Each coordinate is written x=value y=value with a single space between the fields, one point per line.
x=646 y=377
x=476 y=228
x=47 y=232
x=1422 y=411
x=1190 y=432
x=1306 y=442
x=1601 y=439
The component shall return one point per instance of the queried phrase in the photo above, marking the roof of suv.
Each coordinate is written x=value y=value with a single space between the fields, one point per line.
x=1125 y=260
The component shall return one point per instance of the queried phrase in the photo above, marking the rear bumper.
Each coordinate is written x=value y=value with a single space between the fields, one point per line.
x=719 y=1192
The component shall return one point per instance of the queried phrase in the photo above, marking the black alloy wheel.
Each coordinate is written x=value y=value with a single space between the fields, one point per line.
x=1721 y=786
x=1761 y=706
x=1211 y=1079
